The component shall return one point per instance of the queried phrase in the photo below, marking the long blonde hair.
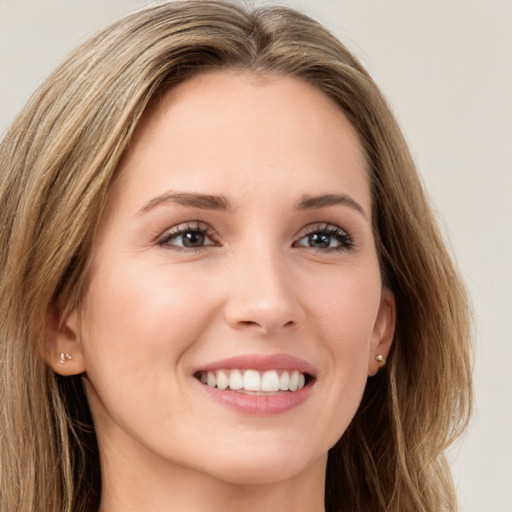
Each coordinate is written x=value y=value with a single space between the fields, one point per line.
x=57 y=164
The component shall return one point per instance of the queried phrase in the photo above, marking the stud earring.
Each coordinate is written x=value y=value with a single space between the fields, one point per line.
x=64 y=357
x=380 y=358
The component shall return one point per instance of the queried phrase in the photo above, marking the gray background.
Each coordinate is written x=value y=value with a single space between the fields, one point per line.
x=445 y=66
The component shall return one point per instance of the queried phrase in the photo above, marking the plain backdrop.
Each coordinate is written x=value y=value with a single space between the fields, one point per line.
x=446 y=68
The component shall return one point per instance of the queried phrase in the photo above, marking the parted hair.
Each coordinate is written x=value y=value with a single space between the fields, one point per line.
x=58 y=162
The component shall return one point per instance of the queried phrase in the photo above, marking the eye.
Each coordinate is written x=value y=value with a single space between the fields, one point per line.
x=325 y=237
x=188 y=236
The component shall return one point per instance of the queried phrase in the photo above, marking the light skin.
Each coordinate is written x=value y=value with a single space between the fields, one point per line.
x=240 y=225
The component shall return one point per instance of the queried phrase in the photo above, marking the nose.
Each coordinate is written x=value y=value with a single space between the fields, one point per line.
x=263 y=296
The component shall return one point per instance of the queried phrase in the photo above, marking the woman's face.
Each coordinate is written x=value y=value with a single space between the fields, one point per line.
x=237 y=249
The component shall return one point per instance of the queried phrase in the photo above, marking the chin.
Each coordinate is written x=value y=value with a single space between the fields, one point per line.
x=261 y=471
x=259 y=466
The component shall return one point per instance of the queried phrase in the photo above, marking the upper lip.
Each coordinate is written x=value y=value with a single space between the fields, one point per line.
x=261 y=362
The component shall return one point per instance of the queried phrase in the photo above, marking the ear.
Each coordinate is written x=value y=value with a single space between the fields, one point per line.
x=62 y=349
x=383 y=332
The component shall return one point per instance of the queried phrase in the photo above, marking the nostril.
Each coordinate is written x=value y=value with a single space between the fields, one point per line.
x=248 y=323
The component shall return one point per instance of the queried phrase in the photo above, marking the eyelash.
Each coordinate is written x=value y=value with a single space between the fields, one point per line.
x=182 y=229
x=340 y=235
x=330 y=230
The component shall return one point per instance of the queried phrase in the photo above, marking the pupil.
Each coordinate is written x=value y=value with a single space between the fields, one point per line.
x=319 y=240
x=193 y=239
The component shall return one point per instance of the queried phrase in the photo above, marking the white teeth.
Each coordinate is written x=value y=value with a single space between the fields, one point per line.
x=252 y=381
x=284 y=380
x=211 y=380
x=294 y=381
x=236 y=380
x=222 y=380
x=302 y=381
x=270 y=381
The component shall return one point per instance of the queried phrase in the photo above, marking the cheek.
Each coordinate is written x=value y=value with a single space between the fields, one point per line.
x=344 y=315
x=346 y=307
x=139 y=324
x=137 y=321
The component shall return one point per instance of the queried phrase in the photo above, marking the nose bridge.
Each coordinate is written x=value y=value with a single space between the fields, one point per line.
x=262 y=294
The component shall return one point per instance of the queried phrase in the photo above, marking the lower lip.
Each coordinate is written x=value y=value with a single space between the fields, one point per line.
x=259 y=405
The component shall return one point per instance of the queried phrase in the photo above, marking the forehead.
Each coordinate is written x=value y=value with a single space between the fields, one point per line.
x=235 y=131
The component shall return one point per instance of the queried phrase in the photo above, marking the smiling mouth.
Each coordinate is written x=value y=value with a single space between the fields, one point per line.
x=251 y=382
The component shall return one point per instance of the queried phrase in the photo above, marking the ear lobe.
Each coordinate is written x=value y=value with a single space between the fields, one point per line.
x=62 y=349
x=383 y=332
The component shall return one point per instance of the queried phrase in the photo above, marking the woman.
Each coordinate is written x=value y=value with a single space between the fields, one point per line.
x=220 y=273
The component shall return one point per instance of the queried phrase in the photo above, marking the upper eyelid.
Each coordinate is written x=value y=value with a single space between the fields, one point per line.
x=194 y=225
x=321 y=226
x=187 y=226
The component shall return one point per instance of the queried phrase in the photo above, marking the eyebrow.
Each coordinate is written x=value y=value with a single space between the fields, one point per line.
x=221 y=203
x=324 y=200
x=201 y=201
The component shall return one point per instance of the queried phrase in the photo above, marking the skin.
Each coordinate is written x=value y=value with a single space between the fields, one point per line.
x=153 y=314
